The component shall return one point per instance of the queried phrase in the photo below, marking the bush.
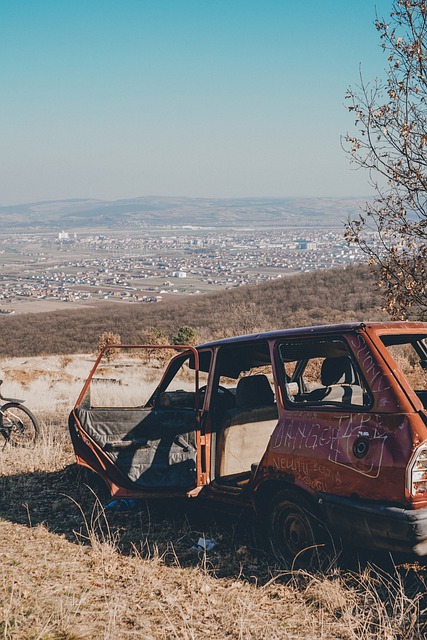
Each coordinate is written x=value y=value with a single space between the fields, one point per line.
x=106 y=338
x=185 y=335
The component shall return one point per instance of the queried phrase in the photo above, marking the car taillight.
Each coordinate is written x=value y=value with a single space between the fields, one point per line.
x=417 y=472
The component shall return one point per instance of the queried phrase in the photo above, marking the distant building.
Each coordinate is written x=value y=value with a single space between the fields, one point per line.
x=179 y=274
x=63 y=235
x=307 y=244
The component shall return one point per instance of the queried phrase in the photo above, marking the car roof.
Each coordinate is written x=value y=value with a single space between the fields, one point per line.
x=298 y=332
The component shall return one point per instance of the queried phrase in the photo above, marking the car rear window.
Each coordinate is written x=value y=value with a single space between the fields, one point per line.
x=409 y=352
x=321 y=372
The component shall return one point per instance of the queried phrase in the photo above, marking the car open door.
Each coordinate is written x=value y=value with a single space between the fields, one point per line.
x=137 y=421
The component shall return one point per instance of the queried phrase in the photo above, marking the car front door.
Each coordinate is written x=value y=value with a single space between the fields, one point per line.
x=137 y=421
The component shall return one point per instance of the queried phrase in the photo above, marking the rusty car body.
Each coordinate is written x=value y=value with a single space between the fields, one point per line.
x=322 y=430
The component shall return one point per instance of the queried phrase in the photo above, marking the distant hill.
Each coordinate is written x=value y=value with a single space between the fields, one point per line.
x=321 y=297
x=151 y=211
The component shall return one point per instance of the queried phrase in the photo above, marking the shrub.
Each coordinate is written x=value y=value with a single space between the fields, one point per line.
x=185 y=335
x=106 y=338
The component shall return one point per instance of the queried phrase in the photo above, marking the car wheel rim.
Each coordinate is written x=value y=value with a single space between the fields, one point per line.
x=297 y=533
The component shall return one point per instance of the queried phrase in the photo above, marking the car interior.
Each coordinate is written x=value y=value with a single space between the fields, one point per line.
x=245 y=414
x=154 y=445
x=322 y=372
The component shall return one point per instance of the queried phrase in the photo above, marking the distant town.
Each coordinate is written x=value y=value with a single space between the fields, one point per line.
x=151 y=266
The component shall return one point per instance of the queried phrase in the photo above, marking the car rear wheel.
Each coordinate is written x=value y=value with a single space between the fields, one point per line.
x=297 y=534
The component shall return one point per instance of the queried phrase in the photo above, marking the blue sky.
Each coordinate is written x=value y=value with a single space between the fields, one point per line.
x=212 y=98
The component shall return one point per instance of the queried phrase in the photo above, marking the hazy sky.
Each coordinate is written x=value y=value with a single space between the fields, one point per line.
x=121 y=98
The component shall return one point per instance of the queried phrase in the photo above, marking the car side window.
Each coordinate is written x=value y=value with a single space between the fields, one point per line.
x=320 y=372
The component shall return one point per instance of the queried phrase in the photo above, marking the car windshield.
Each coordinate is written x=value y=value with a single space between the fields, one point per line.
x=409 y=351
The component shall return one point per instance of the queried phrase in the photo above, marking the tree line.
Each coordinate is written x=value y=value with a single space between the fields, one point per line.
x=320 y=297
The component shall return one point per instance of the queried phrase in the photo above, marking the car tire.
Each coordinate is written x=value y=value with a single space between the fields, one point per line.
x=296 y=533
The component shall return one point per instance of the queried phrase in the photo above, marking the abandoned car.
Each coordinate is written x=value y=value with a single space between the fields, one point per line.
x=321 y=430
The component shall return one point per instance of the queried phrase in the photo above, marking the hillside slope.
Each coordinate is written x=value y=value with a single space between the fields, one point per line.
x=336 y=295
x=73 y=570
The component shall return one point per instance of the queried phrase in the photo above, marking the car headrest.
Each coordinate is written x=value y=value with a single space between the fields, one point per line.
x=337 y=371
x=254 y=391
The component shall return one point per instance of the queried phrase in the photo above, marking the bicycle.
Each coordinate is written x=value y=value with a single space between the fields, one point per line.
x=18 y=425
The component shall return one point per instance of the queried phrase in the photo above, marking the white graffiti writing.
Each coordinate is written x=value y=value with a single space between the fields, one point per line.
x=349 y=429
x=338 y=439
x=300 y=470
x=375 y=379
x=298 y=434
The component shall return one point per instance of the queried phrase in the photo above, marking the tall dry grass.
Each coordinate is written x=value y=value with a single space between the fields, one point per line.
x=73 y=570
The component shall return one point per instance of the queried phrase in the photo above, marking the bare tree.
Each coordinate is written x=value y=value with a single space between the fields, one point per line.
x=391 y=143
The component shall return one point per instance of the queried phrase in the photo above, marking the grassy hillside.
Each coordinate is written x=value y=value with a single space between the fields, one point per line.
x=71 y=570
x=336 y=295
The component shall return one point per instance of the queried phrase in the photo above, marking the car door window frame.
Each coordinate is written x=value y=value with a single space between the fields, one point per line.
x=301 y=365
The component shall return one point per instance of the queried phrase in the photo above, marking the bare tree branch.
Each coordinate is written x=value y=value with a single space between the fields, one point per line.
x=391 y=143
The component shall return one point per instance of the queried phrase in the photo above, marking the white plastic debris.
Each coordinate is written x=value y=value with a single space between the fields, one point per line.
x=205 y=544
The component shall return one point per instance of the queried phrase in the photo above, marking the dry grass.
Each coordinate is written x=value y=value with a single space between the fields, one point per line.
x=72 y=570
x=49 y=384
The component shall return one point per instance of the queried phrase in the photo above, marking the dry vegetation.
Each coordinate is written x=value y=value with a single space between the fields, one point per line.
x=72 y=570
x=321 y=297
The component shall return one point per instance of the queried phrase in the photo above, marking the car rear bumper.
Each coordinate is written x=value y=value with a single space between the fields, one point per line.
x=367 y=524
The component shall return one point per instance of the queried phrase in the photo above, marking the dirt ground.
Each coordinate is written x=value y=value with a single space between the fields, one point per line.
x=44 y=306
x=47 y=306
x=72 y=570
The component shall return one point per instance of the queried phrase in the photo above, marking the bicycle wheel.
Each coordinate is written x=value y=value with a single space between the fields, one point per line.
x=18 y=425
